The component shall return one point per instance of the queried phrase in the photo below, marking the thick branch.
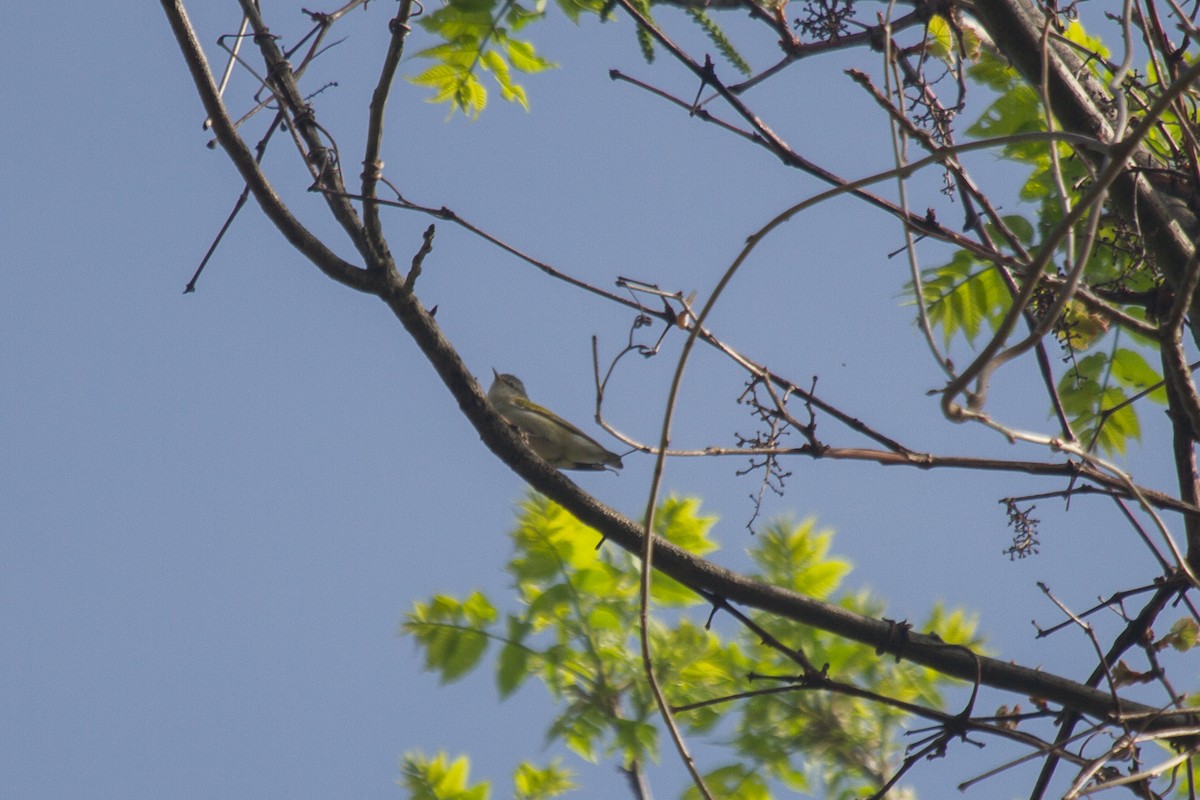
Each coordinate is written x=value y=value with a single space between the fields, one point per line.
x=712 y=579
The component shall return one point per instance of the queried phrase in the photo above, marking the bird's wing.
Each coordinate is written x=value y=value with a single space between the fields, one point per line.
x=530 y=407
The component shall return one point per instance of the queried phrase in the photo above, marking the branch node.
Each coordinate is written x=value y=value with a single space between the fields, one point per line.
x=897 y=639
x=372 y=171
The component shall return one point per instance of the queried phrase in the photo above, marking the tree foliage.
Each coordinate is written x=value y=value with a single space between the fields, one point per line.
x=1090 y=279
x=478 y=36
x=576 y=633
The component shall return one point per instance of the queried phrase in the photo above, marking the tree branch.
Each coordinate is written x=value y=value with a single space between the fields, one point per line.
x=270 y=202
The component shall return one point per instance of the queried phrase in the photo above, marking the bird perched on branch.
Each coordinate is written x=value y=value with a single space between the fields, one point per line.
x=557 y=441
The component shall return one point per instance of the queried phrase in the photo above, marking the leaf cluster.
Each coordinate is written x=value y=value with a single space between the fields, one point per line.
x=576 y=633
x=477 y=36
x=439 y=778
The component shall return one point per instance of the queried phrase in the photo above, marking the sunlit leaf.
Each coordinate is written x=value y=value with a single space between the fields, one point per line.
x=438 y=778
x=534 y=783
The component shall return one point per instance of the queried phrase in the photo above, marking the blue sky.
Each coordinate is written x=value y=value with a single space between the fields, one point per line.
x=217 y=507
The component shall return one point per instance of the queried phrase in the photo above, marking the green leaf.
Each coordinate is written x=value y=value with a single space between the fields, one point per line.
x=1021 y=227
x=1132 y=371
x=599 y=579
x=524 y=57
x=953 y=627
x=645 y=40
x=679 y=522
x=534 y=783
x=1183 y=634
x=734 y=780
x=994 y=72
x=493 y=62
x=1075 y=33
x=513 y=665
x=517 y=16
x=580 y=728
x=548 y=539
x=1080 y=327
x=436 y=76
x=718 y=38
x=440 y=779
x=604 y=618
x=1099 y=411
x=552 y=602
x=470 y=96
x=575 y=8
x=964 y=295
x=452 y=633
x=637 y=741
x=1018 y=110
x=668 y=592
x=940 y=39
x=795 y=557
x=474 y=38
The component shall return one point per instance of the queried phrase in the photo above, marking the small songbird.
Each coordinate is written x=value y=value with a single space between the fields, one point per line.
x=557 y=441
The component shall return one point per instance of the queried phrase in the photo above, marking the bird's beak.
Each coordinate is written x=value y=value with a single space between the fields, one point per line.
x=495 y=374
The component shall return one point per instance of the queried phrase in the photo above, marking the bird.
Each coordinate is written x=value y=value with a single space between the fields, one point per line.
x=557 y=441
